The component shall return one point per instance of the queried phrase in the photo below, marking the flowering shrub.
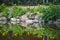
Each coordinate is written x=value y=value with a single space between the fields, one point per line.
x=49 y=13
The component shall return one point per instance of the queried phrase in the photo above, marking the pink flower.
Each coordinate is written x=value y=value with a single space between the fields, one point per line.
x=24 y=17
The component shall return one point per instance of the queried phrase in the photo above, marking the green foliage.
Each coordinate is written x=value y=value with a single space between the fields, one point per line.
x=42 y=30
x=57 y=3
x=31 y=9
x=17 y=29
x=41 y=9
x=4 y=29
x=4 y=10
x=51 y=13
x=17 y=11
x=48 y=3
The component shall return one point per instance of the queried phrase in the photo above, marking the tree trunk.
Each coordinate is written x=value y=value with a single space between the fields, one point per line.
x=43 y=1
x=48 y=38
x=46 y=1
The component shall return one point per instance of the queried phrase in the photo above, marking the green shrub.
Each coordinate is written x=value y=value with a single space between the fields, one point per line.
x=17 y=29
x=51 y=13
x=17 y=11
x=4 y=10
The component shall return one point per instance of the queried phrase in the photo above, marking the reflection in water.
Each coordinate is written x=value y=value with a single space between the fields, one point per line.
x=54 y=29
x=50 y=28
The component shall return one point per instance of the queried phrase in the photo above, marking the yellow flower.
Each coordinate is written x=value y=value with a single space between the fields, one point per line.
x=15 y=4
x=0 y=31
x=3 y=4
x=38 y=5
x=28 y=33
x=15 y=34
x=52 y=37
x=3 y=33
x=39 y=36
